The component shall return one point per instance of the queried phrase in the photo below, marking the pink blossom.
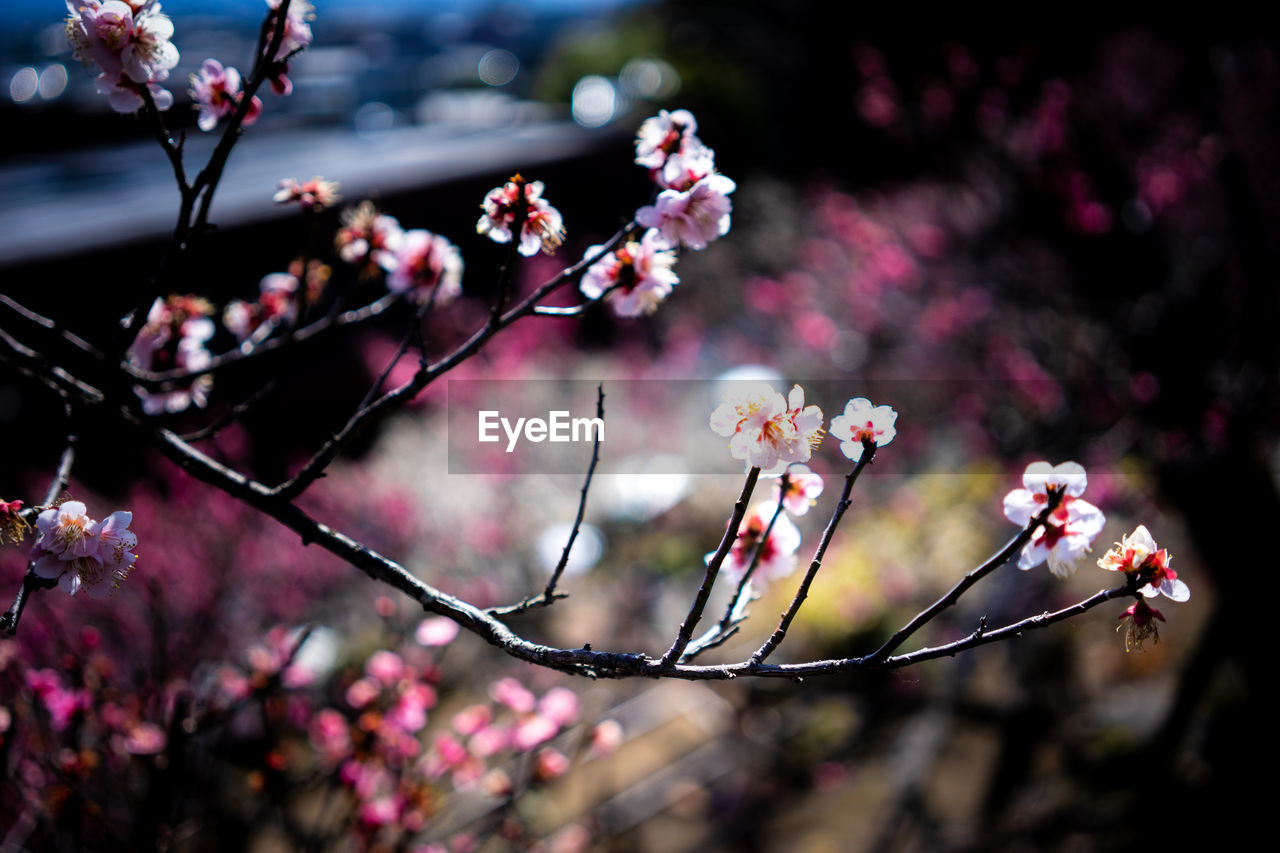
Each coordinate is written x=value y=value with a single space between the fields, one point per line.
x=330 y=736
x=549 y=765
x=81 y=553
x=560 y=705
x=472 y=719
x=297 y=27
x=533 y=731
x=361 y=692
x=543 y=227
x=606 y=737
x=513 y=694
x=692 y=217
x=315 y=194
x=1137 y=553
x=777 y=553
x=1067 y=533
x=410 y=710
x=145 y=739
x=767 y=431
x=489 y=741
x=863 y=423
x=635 y=278
x=174 y=336
x=663 y=135
x=13 y=527
x=122 y=38
x=424 y=264
x=215 y=92
x=1141 y=625
x=368 y=237
x=125 y=96
x=436 y=631
x=803 y=485
x=686 y=168
x=385 y=666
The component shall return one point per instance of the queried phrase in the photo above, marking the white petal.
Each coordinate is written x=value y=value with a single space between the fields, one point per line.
x=1176 y=590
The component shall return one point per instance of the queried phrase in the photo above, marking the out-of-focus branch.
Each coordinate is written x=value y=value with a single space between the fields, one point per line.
x=549 y=595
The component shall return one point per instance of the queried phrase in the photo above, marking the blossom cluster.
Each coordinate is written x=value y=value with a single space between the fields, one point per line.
x=128 y=43
x=692 y=209
x=518 y=200
x=1068 y=530
x=174 y=337
x=81 y=553
x=277 y=302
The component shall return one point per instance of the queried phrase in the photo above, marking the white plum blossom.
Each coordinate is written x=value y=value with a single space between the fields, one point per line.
x=1070 y=528
x=1137 y=552
x=277 y=302
x=368 y=238
x=128 y=43
x=543 y=228
x=862 y=422
x=692 y=217
x=315 y=194
x=803 y=486
x=83 y=554
x=174 y=337
x=663 y=135
x=635 y=278
x=777 y=552
x=425 y=263
x=767 y=431
x=215 y=92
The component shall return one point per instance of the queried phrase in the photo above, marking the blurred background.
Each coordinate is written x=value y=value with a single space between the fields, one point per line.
x=1035 y=242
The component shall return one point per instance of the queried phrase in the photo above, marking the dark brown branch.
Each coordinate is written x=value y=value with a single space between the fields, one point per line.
x=549 y=595
x=953 y=595
x=868 y=455
x=717 y=634
x=713 y=568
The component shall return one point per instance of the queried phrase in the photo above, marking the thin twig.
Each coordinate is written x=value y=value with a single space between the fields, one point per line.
x=549 y=595
x=713 y=568
x=953 y=595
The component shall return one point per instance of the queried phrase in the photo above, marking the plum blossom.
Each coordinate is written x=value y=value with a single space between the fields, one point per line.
x=862 y=422
x=1137 y=553
x=83 y=554
x=1070 y=528
x=277 y=302
x=663 y=135
x=426 y=264
x=215 y=92
x=297 y=26
x=692 y=217
x=777 y=552
x=436 y=631
x=174 y=337
x=543 y=227
x=635 y=278
x=767 y=431
x=368 y=238
x=1141 y=625
x=802 y=486
x=315 y=194
x=128 y=43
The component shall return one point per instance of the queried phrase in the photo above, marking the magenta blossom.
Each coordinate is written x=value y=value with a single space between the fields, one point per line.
x=215 y=92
